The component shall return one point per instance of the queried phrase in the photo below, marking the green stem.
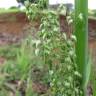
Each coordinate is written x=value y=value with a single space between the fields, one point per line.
x=81 y=32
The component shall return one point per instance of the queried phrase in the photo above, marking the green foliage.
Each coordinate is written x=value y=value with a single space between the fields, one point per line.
x=88 y=71
x=17 y=71
x=9 y=52
x=42 y=4
x=33 y=10
x=24 y=59
x=59 y=55
x=22 y=1
x=20 y=69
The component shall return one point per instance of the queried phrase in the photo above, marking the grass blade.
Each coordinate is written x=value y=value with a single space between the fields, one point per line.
x=81 y=32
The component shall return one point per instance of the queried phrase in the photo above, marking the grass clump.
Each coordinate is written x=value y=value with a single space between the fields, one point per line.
x=2 y=11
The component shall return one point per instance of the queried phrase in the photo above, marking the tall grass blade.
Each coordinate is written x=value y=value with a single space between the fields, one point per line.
x=87 y=71
x=81 y=32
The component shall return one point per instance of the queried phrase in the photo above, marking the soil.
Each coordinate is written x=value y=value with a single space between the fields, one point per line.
x=92 y=47
x=2 y=60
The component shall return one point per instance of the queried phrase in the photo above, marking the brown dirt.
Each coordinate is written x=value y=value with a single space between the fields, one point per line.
x=39 y=88
x=12 y=27
x=92 y=48
x=2 y=60
x=13 y=23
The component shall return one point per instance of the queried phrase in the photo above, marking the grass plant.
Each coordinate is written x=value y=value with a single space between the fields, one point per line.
x=81 y=32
